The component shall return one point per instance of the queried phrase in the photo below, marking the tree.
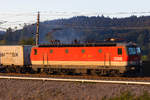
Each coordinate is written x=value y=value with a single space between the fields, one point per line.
x=29 y=41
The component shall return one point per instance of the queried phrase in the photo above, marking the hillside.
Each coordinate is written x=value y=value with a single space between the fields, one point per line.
x=83 y=28
x=2 y=32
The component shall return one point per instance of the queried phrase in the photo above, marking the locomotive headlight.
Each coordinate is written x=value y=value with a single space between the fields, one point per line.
x=141 y=62
x=132 y=68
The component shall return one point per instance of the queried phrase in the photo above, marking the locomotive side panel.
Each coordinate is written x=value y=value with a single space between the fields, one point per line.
x=99 y=56
x=118 y=56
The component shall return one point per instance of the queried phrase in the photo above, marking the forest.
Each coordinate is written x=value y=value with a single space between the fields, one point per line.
x=83 y=28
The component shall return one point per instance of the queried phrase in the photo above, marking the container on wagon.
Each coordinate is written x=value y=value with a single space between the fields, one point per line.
x=18 y=55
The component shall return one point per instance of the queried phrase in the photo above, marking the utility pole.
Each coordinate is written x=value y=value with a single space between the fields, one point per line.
x=37 y=29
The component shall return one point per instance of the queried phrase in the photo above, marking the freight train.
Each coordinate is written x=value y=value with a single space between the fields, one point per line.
x=89 y=58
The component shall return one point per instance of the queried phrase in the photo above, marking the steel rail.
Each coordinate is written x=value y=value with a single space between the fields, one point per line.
x=75 y=80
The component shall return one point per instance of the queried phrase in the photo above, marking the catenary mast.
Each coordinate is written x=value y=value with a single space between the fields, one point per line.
x=37 y=29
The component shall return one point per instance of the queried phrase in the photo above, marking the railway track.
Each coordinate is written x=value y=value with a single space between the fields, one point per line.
x=78 y=78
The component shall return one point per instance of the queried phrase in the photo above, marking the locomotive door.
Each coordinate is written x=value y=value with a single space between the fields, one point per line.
x=107 y=59
x=45 y=58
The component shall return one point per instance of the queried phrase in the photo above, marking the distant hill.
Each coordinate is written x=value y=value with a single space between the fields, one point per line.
x=101 y=21
x=83 y=29
x=2 y=32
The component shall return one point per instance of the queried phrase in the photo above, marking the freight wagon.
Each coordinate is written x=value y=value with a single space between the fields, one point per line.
x=15 y=56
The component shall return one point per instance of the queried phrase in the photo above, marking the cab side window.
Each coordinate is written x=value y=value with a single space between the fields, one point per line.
x=35 y=51
x=119 y=51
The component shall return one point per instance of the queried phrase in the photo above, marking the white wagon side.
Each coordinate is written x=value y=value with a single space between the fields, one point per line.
x=18 y=55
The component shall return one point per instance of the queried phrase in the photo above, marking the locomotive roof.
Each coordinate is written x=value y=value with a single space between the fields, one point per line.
x=84 y=45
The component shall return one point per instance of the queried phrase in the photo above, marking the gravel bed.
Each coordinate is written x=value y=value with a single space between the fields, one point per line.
x=51 y=90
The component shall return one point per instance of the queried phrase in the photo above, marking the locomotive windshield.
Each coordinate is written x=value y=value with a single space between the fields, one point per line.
x=138 y=50
x=134 y=50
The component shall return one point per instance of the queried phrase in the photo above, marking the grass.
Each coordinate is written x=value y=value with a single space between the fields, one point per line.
x=129 y=96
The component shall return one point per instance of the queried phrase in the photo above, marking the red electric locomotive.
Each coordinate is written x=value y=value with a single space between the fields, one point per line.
x=99 y=58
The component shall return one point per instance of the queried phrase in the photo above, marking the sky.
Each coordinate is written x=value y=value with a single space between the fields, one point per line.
x=14 y=13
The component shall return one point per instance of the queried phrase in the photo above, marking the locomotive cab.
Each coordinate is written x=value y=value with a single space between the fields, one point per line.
x=134 y=58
